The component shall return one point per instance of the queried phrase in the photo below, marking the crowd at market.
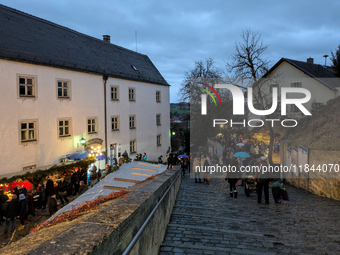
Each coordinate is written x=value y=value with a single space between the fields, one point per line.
x=51 y=193
x=257 y=154
x=54 y=191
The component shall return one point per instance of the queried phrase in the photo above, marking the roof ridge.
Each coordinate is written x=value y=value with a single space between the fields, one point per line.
x=64 y=28
x=308 y=73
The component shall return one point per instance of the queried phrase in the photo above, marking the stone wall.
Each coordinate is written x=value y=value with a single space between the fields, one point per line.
x=326 y=184
x=110 y=229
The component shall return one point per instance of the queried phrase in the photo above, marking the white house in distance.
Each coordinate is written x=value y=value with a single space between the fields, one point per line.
x=319 y=80
x=59 y=86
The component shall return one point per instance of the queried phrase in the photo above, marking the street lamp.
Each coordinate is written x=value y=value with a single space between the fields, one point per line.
x=82 y=141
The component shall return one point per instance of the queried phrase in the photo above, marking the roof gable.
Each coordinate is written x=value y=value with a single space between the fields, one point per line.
x=323 y=74
x=30 y=39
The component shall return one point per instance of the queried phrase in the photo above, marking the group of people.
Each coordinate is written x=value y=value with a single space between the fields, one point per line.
x=238 y=144
x=263 y=180
x=21 y=205
x=202 y=160
x=140 y=157
x=47 y=195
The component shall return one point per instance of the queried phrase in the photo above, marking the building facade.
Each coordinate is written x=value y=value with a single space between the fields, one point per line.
x=60 y=87
x=319 y=80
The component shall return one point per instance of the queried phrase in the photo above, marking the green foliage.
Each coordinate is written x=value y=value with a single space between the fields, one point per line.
x=36 y=177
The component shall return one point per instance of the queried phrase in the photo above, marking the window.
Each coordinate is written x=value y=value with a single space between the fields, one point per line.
x=159 y=140
x=158 y=96
x=63 y=89
x=133 y=146
x=28 y=131
x=92 y=125
x=114 y=93
x=64 y=127
x=132 y=122
x=158 y=119
x=26 y=168
x=296 y=84
x=132 y=96
x=26 y=86
x=115 y=123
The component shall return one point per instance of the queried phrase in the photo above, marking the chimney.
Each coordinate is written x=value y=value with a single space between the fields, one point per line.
x=310 y=60
x=106 y=38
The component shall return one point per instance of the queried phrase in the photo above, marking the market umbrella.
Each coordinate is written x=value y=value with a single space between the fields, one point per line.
x=78 y=155
x=219 y=154
x=240 y=144
x=101 y=157
x=241 y=155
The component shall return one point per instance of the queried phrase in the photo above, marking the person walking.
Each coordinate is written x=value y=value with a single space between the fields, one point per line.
x=62 y=190
x=276 y=190
x=183 y=165
x=23 y=210
x=49 y=187
x=75 y=182
x=196 y=167
x=262 y=181
x=42 y=196
x=206 y=164
x=93 y=175
x=168 y=161
x=232 y=180
x=3 y=205
x=52 y=204
x=30 y=205
x=145 y=157
x=125 y=155
x=12 y=211
x=202 y=164
x=173 y=160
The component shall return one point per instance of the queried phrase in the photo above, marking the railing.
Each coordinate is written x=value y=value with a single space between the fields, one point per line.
x=129 y=248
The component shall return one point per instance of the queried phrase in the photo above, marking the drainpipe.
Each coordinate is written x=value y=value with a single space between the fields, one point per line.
x=105 y=77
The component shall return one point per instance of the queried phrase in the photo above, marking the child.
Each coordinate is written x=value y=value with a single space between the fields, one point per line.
x=276 y=190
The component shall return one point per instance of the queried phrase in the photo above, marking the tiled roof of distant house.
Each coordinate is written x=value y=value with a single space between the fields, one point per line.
x=323 y=74
x=29 y=39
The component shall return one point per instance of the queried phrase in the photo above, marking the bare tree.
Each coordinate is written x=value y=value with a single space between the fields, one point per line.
x=204 y=70
x=248 y=61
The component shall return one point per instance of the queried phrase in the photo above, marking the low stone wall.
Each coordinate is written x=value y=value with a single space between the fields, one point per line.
x=110 y=229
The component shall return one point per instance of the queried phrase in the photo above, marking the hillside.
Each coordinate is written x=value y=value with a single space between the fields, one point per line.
x=319 y=131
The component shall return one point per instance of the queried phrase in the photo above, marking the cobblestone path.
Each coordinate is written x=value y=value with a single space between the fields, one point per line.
x=205 y=220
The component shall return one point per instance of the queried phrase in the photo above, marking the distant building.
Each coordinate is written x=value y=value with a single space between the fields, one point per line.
x=59 y=86
x=319 y=80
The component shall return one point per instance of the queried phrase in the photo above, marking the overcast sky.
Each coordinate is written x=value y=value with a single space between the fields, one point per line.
x=175 y=34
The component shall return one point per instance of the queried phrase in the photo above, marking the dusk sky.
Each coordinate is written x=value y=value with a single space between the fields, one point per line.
x=175 y=34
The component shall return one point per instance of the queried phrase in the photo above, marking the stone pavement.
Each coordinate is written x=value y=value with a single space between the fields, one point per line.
x=205 y=220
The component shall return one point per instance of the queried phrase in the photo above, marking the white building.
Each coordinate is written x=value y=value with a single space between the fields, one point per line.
x=59 y=86
x=319 y=80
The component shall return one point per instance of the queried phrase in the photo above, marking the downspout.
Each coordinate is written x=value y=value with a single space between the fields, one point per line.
x=105 y=78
